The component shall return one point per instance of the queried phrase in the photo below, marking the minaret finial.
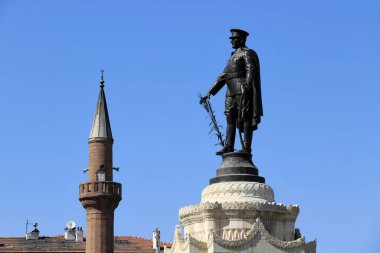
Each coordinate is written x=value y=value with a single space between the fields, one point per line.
x=101 y=79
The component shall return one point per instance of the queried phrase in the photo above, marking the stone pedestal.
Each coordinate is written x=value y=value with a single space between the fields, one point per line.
x=238 y=213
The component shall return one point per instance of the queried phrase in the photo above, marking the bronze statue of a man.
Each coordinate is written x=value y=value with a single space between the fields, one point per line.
x=243 y=106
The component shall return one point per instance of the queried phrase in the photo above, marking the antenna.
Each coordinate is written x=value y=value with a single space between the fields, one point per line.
x=26 y=226
x=70 y=224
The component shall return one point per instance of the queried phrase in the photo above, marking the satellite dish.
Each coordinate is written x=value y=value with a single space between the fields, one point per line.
x=70 y=224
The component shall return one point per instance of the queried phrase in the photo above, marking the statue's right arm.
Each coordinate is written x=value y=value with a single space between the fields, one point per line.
x=218 y=84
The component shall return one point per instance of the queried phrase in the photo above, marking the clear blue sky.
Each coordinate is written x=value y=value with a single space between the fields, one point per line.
x=317 y=146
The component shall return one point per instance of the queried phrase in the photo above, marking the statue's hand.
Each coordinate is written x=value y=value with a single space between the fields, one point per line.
x=204 y=98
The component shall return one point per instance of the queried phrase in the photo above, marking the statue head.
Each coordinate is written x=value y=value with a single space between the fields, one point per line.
x=238 y=38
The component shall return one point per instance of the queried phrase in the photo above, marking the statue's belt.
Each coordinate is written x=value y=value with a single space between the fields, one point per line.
x=231 y=75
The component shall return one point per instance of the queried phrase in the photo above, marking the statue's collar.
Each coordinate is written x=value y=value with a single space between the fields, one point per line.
x=236 y=50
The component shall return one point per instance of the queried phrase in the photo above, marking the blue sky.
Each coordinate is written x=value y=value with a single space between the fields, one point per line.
x=317 y=146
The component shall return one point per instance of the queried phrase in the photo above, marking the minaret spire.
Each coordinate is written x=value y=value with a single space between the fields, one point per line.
x=101 y=126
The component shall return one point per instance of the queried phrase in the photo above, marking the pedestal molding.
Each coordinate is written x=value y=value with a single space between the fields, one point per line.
x=224 y=191
x=193 y=210
x=258 y=227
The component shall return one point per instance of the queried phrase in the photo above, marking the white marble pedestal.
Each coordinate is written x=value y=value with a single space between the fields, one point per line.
x=239 y=216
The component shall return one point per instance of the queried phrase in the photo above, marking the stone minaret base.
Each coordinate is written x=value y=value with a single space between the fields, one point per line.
x=100 y=200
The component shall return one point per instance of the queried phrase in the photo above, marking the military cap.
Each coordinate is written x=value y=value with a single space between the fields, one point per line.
x=238 y=33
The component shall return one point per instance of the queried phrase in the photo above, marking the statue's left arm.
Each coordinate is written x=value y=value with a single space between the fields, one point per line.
x=250 y=69
x=253 y=82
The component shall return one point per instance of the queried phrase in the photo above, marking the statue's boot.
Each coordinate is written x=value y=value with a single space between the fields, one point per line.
x=230 y=140
x=247 y=137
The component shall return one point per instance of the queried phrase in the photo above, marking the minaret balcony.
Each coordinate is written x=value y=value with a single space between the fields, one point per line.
x=90 y=193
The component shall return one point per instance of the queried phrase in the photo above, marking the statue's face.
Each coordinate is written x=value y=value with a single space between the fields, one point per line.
x=236 y=42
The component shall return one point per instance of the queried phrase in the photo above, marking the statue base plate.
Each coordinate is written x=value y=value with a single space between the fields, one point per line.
x=237 y=166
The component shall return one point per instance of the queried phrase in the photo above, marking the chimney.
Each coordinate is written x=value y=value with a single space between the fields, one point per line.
x=156 y=240
x=33 y=235
x=70 y=231
x=79 y=234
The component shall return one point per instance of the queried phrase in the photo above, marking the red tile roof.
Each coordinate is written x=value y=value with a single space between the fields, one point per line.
x=127 y=244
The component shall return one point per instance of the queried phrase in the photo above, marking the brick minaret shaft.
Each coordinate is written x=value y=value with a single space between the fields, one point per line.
x=100 y=195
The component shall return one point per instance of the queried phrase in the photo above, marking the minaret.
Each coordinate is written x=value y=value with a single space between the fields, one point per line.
x=100 y=195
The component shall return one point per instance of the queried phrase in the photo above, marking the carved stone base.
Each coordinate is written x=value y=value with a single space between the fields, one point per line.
x=231 y=208
x=240 y=217
x=256 y=239
x=237 y=166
